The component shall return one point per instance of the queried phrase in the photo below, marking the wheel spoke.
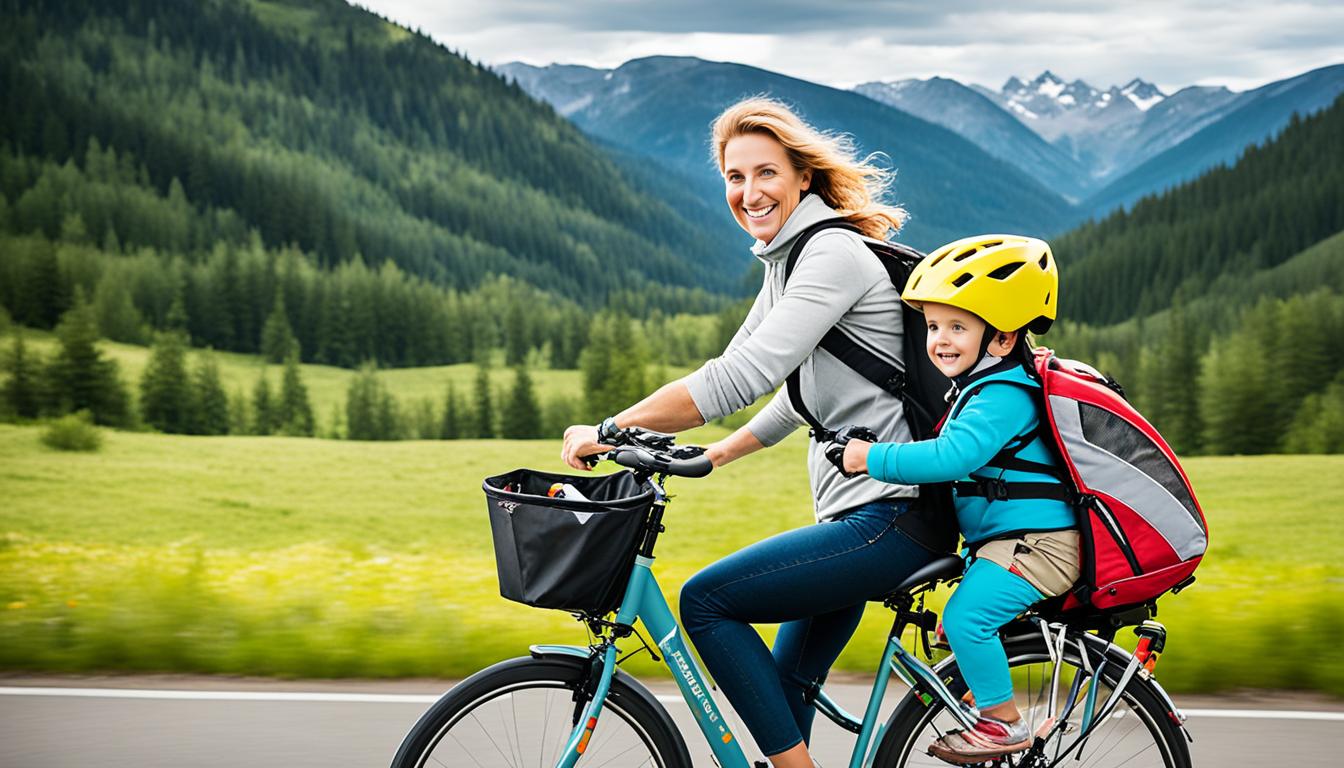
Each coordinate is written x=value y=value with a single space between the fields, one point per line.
x=525 y=722
x=1135 y=734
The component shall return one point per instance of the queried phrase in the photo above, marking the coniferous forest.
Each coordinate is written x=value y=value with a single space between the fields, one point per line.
x=304 y=181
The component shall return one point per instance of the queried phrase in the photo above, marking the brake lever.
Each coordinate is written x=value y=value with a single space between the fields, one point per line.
x=688 y=451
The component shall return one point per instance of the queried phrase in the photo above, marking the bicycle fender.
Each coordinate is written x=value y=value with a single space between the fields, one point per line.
x=543 y=651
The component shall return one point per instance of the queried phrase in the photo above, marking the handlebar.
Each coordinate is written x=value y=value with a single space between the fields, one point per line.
x=656 y=453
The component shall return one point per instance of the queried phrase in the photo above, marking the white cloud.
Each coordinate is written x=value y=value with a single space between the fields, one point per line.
x=1238 y=43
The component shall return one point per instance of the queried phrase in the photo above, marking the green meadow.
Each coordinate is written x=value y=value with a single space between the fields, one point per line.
x=316 y=558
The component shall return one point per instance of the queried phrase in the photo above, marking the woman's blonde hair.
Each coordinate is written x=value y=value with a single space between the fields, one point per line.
x=851 y=186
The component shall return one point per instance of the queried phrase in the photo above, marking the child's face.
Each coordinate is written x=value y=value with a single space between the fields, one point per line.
x=954 y=338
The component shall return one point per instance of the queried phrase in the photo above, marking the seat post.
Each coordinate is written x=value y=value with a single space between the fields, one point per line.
x=901 y=603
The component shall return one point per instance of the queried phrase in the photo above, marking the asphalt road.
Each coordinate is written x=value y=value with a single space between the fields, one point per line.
x=212 y=722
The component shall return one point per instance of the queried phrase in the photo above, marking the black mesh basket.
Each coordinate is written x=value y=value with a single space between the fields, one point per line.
x=562 y=553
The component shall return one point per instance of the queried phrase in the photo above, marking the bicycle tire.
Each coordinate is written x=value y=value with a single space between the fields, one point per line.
x=632 y=720
x=912 y=726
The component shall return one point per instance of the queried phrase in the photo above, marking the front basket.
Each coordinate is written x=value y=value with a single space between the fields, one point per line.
x=566 y=554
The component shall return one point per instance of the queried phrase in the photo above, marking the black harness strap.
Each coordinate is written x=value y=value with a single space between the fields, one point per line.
x=994 y=489
x=997 y=489
x=888 y=377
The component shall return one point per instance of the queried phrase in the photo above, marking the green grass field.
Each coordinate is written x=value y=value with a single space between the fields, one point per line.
x=297 y=557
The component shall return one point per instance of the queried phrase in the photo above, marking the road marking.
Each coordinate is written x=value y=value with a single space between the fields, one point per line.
x=139 y=693
x=411 y=698
x=1264 y=714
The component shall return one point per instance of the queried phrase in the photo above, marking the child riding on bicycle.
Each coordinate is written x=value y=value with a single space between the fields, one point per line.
x=979 y=297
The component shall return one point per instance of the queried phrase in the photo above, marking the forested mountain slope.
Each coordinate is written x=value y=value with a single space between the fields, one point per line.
x=321 y=126
x=1250 y=118
x=1279 y=198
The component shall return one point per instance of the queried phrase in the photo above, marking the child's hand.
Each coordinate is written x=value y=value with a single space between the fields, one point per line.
x=856 y=456
x=848 y=450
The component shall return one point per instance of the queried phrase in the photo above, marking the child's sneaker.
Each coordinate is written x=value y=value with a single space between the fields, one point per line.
x=990 y=738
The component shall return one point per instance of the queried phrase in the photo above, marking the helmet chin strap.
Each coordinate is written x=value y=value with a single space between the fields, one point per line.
x=986 y=359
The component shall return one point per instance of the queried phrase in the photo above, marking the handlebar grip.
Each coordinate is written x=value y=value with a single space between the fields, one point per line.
x=639 y=458
x=696 y=467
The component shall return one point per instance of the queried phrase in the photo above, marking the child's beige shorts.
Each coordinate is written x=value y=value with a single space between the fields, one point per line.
x=1048 y=561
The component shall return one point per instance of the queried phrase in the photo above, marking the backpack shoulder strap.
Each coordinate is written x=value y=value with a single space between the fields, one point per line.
x=888 y=377
x=995 y=489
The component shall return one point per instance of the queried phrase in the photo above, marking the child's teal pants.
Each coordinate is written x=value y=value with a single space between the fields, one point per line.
x=988 y=597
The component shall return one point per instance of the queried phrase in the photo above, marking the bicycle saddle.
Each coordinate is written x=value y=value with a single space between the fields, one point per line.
x=946 y=567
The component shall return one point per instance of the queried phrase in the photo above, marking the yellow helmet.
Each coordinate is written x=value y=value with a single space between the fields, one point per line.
x=1010 y=281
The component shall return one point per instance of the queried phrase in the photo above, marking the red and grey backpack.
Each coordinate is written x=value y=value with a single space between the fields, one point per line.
x=1143 y=531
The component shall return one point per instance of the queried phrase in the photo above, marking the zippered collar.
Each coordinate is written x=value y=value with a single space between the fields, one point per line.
x=989 y=365
x=811 y=209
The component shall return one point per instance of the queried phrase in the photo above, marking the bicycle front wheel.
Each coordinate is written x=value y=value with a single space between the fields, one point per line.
x=520 y=712
x=1137 y=732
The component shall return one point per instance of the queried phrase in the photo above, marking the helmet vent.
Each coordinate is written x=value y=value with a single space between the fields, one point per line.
x=915 y=284
x=1045 y=261
x=962 y=279
x=1004 y=271
x=965 y=254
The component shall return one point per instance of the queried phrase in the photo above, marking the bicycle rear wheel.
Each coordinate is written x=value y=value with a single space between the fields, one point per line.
x=520 y=712
x=1137 y=733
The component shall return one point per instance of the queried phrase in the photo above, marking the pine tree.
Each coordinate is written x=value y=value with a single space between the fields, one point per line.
x=212 y=402
x=451 y=426
x=166 y=397
x=515 y=335
x=118 y=319
x=277 y=337
x=485 y=412
x=559 y=413
x=21 y=392
x=521 y=418
x=1318 y=426
x=240 y=416
x=80 y=377
x=361 y=405
x=388 y=416
x=264 y=407
x=295 y=416
x=596 y=363
x=371 y=412
x=1233 y=390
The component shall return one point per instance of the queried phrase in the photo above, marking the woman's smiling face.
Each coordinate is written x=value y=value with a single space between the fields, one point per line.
x=761 y=186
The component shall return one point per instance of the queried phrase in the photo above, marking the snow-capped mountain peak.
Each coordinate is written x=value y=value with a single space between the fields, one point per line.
x=1048 y=95
x=1145 y=95
x=1048 y=85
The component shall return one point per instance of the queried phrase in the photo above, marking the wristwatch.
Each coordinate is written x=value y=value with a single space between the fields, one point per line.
x=607 y=430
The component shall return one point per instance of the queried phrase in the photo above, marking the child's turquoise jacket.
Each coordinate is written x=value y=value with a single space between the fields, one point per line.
x=994 y=409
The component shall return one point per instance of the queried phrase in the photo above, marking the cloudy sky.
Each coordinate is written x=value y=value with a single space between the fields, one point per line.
x=1173 y=43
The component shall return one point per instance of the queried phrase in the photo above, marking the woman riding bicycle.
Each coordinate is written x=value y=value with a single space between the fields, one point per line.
x=782 y=176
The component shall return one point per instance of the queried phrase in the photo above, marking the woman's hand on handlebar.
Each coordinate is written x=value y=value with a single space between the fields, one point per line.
x=581 y=442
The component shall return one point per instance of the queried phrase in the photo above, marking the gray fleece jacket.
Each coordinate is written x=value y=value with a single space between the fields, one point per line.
x=836 y=281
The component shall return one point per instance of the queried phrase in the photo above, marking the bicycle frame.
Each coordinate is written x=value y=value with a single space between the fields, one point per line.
x=644 y=601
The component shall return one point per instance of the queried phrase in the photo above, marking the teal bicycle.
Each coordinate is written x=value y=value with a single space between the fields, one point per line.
x=1091 y=702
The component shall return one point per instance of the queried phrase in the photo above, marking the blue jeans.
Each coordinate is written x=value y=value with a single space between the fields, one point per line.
x=815 y=582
